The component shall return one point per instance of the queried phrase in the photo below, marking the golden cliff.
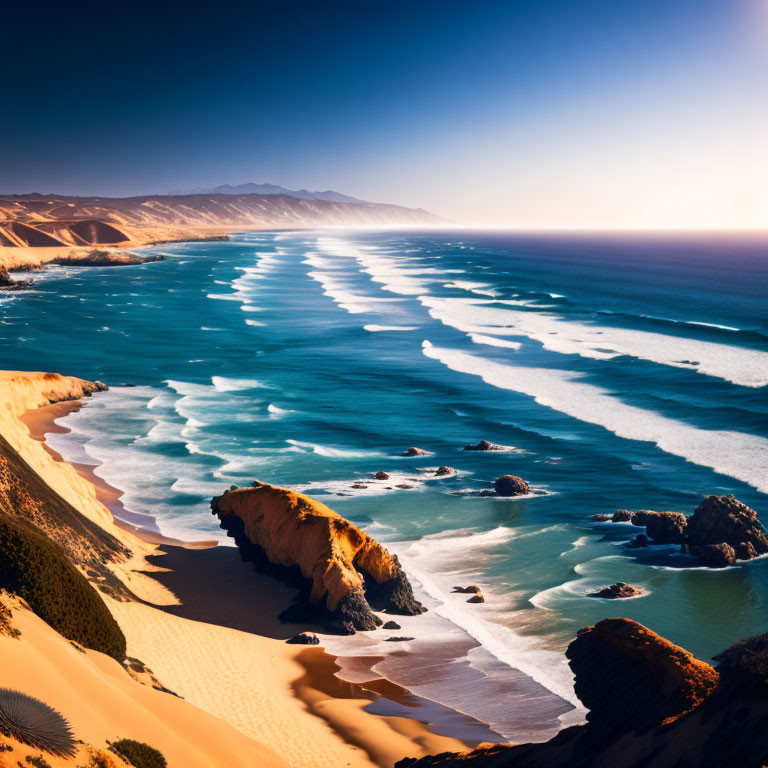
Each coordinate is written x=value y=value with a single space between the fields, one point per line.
x=344 y=573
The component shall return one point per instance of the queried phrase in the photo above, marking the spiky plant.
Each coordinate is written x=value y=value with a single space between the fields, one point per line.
x=34 y=723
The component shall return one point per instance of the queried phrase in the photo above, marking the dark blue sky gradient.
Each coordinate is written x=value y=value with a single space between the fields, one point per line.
x=373 y=99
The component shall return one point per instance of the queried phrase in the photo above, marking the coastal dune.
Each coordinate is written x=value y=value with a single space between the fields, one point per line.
x=242 y=697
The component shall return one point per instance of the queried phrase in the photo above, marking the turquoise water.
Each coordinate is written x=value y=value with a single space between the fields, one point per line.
x=620 y=373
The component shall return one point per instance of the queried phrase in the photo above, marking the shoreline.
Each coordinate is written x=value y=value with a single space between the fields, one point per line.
x=324 y=694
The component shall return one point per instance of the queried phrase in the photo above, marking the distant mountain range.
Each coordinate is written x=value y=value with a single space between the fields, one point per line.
x=270 y=189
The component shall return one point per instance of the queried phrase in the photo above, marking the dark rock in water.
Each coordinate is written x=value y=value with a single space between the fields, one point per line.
x=715 y=555
x=391 y=625
x=724 y=519
x=641 y=540
x=404 y=486
x=472 y=588
x=641 y=517
x=600 y=518
x=484 y=445
x=381 y=476
x=745 y=551
x=665 y=527
x=7 y=283
x=304 y=638
x=477 y=598
x=413 y=451
x=441 y=471
x=359 y=485
x=622 y=516
x=511 y=485
x=486 y=492
x=618 y=591
x=397 y=639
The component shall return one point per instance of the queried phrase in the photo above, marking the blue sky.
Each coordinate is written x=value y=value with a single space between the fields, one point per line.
x=591 y=113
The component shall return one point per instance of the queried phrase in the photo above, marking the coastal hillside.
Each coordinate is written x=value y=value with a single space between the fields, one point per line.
x=51 y=221
x=108 y=660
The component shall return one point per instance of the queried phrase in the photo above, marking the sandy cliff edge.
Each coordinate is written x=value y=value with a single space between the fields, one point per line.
x=242 y=678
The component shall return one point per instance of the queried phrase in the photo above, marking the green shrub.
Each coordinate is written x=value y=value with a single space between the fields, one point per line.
x=138 y=754
x=36 y=569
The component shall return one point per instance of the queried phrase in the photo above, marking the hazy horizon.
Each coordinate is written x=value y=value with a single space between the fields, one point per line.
x=528 y=116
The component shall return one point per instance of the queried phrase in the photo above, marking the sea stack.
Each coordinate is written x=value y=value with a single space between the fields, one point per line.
x=511 y=485
x=343 y=573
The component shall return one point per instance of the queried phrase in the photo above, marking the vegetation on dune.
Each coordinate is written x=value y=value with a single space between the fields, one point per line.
x=34 y=723
x=36 y=569
x=138 y=754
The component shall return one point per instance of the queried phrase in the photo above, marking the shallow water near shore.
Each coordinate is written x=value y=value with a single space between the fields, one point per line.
x=621 y=373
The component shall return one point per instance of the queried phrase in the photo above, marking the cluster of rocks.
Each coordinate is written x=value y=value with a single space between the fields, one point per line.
x=7 y=283
x=485 y=445
x=472 y=589
x=413 y=451
x=720 y=531
x=618 y=591
x=304 y=638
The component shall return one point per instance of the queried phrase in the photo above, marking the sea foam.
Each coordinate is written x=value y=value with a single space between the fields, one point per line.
x=737 y=454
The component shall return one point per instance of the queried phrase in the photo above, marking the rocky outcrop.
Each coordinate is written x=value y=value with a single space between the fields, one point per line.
x=652 y=704
x=716 y=555
x=303 y=638
x=665 y=527
x=721 y=531
x=471 y=589
x=381 y=476
x=7 y=283
x=485 y=445
x=511 y=485
x=343 y=573
x=443 y=471
x=618 y=591
x=627 y=674
x=725 y=520
x=413 y=451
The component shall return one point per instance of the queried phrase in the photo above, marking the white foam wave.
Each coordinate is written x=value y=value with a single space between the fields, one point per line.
x=223 y=384
x=331 y=452
x=378 y=328
x=737 y=454
x=338 y=290
x=439 y=562
x=492 y=341
x=739 y=365
x=276 y=412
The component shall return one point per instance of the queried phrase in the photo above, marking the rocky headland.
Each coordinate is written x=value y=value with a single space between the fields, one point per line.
x=344 y=575
x=651 y=703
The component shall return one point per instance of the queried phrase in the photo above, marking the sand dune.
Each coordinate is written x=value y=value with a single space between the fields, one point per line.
x=247 y=697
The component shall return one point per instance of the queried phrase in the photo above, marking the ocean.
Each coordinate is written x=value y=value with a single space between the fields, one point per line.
x=618 y=372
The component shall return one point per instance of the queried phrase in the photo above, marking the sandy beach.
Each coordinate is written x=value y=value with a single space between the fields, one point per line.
x=205 y=624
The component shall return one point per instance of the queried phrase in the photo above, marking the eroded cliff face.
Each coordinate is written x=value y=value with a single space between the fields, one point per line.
x=50 y=494
x=344 y=573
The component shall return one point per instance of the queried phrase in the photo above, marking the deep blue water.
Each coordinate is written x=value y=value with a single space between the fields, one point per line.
x=621 y=372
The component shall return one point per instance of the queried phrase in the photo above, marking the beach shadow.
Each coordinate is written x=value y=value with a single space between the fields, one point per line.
x=215 y=586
